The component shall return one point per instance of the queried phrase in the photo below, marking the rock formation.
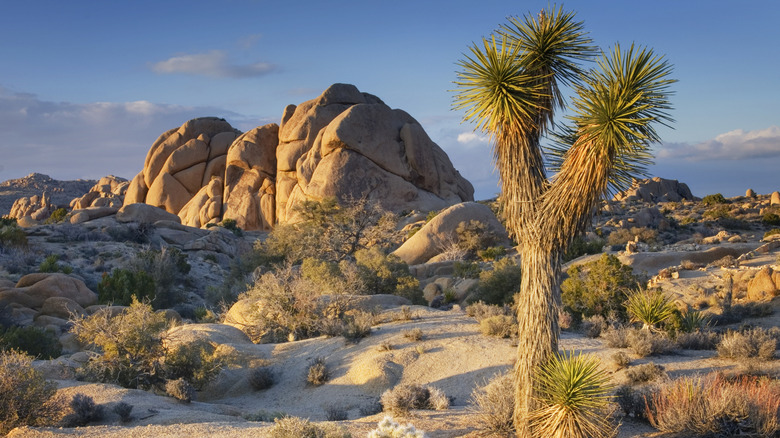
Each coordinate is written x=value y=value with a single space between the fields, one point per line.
x=343 y=144
x=37 y=207
x=108 y=192
x=656 y=190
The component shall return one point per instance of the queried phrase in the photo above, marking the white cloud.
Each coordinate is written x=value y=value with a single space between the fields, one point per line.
x=214 y=63
x=733 y=145
x=68 y=140
x=472 y=139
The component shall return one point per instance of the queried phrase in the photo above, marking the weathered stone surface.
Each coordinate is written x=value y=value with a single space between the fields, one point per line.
x=144 y=213
x=656 y=190
x=61 y=307
x=434 y=237
x=109 y=191
x=250 y=179
x=205 y=207
x=38 y=208
x=215 y=334
x=181 y=162
x=762 y=286
x=41 y=286
x=775 y=198
x=91 y=213
x=749 y=193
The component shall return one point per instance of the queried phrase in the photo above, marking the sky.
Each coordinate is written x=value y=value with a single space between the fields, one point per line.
x=87 y=86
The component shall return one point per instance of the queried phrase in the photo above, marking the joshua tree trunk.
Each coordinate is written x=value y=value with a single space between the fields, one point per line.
x=538 y=332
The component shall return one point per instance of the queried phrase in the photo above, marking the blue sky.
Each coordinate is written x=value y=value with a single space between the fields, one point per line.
x=87 y=86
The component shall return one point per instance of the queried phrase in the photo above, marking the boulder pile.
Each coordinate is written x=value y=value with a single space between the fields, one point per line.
x=343 y=144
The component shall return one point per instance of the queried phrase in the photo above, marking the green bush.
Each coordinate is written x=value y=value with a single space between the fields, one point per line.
x=122 y=286
x=35 y=341
x=166 y=267
x=598 y=288
x=718 y=212
x=11 y=235
x=714 y=199
x=580 y=247
x=771 y=219
x=499 y=285
x=26 y=398
x=196 y=362
x=474 y=236
x=56 y=216
x=387 y=274
x=50 y=264
x=466 y=269
x=491 y=253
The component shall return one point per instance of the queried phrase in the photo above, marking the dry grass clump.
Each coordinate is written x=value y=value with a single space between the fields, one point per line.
x=479 y=310
x=294 y=427
x=415 y=334
x=494 y=404
x=261 y=378
x=180 y=389
x=616 y=337
x=501 y=326
x=646 y=372
x=318 y=372
x=647 y=343
x=754 y=343
x=26 y=398
x=593 y=326
x=620 y=360
x=715 y=406
x=698 y=340
x=336 y=412
x=403 y=398
x=84 y=411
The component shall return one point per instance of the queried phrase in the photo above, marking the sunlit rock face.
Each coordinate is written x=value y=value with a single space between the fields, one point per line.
x=343 y=144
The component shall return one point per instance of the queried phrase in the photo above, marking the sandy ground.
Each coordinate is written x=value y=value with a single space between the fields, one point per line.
x=452 y=356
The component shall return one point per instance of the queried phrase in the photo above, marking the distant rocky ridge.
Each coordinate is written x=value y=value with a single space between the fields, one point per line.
x=60 y=193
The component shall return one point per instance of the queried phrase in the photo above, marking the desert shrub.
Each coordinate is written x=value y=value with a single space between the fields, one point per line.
x=689 y=265
x=713 y=406
x=466 y=269
x=714 y=199
x=616 y=337
x=11 y=235
x=580 y=247
x=499 y=285
x=261 y=378
x=621 y=236
x=388 y=428
x=651 y=308
x=336 y=412
x=317 y=373
x=124 y=410
x=49 y=264
x=491 y=253
x=403 y=398
x=357 y=326
x=753 y=343
x=415 y=334
x=122 y=285
x=431 y=214
x=633 y=401
x=294 y=427
x=500 y=326
x=479 y=310
x=127 y=347
x=474 y=236
x=84 y=411
x=574 y=394
x=32 y=340
x=196 y=362
x=265 y=416
x=56 y=216
x=717 y=212
x=772 y=232
x=387 y=274
x=698 y=340
x=180 y=389
x=646 y=372
x=770 y=219
x=204 y=315
x=494 y=405
x=166 y=267
x=598 y=287
x=620 y=360
x=593 y=326
x=647 y=343
x=26 y=398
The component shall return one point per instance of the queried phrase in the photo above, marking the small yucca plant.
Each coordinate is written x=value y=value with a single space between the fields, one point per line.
x=575 y=398
x=650 y=307
x=693 y=320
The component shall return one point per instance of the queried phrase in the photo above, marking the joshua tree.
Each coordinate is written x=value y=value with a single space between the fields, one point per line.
x=510 y=86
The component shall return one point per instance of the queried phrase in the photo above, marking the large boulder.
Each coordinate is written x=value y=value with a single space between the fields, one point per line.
x=656 y=190
x=762 y=286
x=144 y=213
x=250 y=179
x=38 y=208
x=109 y=191
x=347 y=144
x=205 y=207
x=436 y=235
x=181 y=162
x=33 y=290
